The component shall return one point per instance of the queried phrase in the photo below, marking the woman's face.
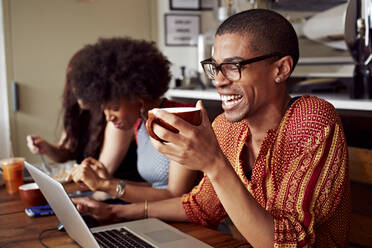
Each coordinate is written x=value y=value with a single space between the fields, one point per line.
x=123 y=114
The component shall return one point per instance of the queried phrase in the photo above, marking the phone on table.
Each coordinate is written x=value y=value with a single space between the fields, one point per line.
x=98 y=196
x=43 y=210
x=76 y=194
x=115 y=201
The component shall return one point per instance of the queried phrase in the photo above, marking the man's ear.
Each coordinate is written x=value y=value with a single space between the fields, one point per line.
x=284 y=67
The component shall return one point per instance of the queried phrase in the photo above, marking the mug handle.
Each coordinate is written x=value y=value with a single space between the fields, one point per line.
x=149 y=126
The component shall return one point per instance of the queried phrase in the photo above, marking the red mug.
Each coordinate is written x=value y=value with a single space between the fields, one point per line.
x=31 y=195
x=189 y=114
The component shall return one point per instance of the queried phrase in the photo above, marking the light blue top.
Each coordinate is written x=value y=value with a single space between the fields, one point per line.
x=151 y=164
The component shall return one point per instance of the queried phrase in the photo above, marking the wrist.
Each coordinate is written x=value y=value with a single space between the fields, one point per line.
x=216 y=171
x=133 y=211
x=106 y=186
x=118 y=212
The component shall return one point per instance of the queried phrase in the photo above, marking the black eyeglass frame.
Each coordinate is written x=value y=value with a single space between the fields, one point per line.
x=238 y=64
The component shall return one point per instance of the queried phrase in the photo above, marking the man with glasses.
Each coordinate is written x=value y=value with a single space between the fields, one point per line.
x=279 y=169
x=276 y=166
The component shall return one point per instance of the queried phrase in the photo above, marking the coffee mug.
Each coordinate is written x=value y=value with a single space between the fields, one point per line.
x=31 y=195
x=189 y=114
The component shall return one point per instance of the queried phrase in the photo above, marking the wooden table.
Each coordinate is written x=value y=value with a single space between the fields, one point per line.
x=19 y=230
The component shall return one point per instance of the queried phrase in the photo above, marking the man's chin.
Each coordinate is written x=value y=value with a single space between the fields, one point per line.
x=233 y=117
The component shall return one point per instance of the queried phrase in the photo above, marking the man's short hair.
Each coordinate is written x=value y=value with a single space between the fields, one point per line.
x=269 y=32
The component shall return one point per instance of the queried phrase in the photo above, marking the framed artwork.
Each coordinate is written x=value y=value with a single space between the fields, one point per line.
x=191 y=4
x=181 y=29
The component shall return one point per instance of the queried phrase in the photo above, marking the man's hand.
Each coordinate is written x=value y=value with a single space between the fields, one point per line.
x=102 y=212
x=90 y=173
x=195 y=147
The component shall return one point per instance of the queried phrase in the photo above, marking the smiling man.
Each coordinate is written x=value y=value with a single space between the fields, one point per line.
x=276 y=166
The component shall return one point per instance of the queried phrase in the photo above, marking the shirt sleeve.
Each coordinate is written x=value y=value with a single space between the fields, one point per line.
x=202 y=205
x=316 y=194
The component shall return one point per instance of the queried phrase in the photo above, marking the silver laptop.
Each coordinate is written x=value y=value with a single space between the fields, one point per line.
x=151 y=232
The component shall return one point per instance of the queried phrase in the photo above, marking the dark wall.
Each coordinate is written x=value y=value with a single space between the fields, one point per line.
x=358 y=127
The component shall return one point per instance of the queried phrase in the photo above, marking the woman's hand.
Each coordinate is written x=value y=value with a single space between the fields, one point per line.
x=37 y=145
x=90 y=173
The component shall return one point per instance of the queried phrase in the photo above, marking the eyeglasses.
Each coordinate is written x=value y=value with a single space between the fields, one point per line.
x=230 y=70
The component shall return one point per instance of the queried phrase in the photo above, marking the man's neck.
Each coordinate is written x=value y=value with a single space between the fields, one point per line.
x=259 y=126
x=269 y=118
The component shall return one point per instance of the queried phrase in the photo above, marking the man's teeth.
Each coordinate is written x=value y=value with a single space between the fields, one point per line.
x=231 y=99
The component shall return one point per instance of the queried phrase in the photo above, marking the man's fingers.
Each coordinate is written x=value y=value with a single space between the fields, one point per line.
x=86 y=205
x=77 y=200
x=171 y=119
x=161 y=132
x=83 y=208
x=204 y=113
x=80 y=207
x=174 y=121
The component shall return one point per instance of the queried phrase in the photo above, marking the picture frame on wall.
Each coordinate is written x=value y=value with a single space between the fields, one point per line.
x=184 y=4
x=191 y=4
x=181 y=29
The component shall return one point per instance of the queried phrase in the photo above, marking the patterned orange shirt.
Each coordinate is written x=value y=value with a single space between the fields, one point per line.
x=300 y=176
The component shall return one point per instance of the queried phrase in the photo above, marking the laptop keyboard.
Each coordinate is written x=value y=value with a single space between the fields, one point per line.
x=119 y=238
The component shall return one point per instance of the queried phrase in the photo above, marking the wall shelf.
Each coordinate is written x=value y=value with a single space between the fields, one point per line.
x=339 y=101
x=323 y=70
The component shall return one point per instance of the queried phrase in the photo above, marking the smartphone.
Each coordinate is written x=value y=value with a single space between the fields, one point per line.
x=115 y=201
x=75 y=194
x=37 y=211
